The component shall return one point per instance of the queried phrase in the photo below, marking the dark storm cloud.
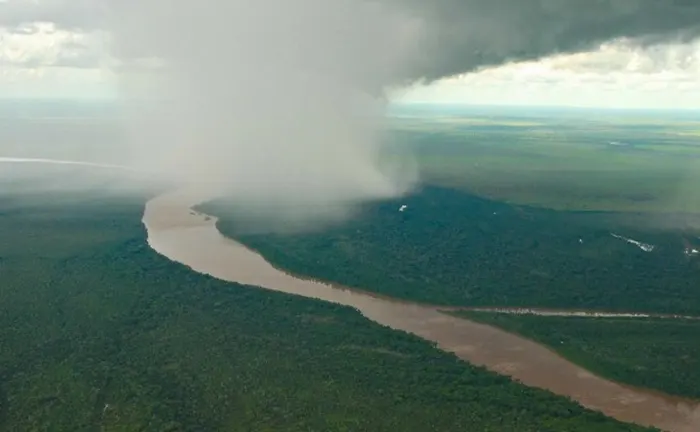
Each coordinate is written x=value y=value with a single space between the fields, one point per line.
x=462 y=36
x=456 y=36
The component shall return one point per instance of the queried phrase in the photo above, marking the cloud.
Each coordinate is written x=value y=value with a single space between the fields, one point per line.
x=622 y=55
x=462 y=36
x=276 y=100
x=42 y=44
x=440 y=38
x=74 y=15
x=615 y=74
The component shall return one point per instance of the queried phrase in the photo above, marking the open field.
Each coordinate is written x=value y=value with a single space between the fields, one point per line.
x=645 y=352
x=574 y=161
x=98 y=332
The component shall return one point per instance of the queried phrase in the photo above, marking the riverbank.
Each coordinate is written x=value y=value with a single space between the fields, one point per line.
x=185 y=236
x=660 y=354
x=458 y=250
x=99 y=332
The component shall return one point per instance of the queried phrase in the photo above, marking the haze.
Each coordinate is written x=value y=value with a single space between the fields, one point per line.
x=282 y=102
x=264 y=104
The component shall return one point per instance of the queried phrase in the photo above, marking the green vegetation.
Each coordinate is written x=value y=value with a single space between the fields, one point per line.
x=660 y=354
x=552 y=188
x=99 y=333
x=567 y=161
x=448 y=247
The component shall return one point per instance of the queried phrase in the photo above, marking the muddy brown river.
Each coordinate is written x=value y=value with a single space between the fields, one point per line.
x=192 y=239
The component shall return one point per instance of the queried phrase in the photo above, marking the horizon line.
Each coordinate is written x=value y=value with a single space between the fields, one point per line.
x=396 y=103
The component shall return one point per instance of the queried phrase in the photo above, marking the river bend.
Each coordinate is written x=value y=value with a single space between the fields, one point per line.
x=185 y=236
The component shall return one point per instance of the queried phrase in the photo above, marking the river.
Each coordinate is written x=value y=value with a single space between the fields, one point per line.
x=185 y=236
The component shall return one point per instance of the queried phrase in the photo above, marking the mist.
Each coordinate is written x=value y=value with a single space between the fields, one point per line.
x=274 y=104
x=281 y=104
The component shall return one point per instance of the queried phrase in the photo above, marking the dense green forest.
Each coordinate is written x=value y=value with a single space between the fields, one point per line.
x=99 y=333
x=660 y=354
x=449 y=247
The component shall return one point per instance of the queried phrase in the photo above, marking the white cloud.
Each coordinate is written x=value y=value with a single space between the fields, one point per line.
x=624 y=56
x=41 y=44
x=38 y=59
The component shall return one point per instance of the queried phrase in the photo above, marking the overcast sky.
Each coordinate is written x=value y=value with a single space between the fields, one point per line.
x=46 y=60
x=615 y=75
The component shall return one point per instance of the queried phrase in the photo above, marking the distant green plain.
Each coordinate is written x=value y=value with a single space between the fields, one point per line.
x=603 y=162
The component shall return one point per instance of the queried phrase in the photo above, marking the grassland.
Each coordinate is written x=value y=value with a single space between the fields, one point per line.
x=659 y=354
x=97 y=332
x=571 y=161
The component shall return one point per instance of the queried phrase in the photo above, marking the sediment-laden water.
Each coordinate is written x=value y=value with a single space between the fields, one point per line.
x=190 y=238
